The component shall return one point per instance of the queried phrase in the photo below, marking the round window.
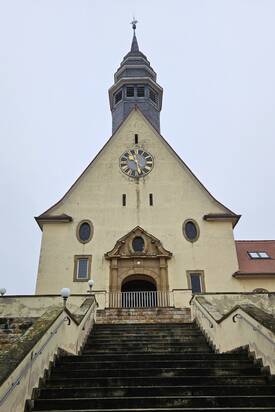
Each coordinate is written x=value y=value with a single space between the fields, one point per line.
x=84 y=232
x=138 y=244
x=191 y=230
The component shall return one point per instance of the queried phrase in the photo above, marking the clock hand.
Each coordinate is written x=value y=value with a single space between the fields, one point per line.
x=136 y=161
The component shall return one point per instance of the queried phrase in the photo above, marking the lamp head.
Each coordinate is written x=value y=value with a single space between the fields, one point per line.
x=65 y=293
x=91 y=283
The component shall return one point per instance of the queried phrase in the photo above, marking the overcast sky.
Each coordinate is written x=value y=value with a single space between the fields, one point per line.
x=215 y=60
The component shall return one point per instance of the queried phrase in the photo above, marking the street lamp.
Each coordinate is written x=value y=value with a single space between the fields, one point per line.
x=91 y=284
x=65 y=293
x=2 y=291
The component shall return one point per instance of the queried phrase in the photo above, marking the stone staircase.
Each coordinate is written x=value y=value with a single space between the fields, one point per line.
x=154 y=367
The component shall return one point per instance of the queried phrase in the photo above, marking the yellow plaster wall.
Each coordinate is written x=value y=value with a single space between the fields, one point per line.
x=177 y=196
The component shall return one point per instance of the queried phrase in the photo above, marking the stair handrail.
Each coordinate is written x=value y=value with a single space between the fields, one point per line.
x=34 y=356
x=204 y=313
x=254 y=327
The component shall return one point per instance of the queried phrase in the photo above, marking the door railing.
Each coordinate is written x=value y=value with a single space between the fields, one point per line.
x=140 y=299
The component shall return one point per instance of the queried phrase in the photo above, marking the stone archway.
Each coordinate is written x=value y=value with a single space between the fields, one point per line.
x=137 y=283
x=138 y=253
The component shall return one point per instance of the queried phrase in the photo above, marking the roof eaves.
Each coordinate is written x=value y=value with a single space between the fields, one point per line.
x=222 y=217
x=240 y=275
x=44 y=218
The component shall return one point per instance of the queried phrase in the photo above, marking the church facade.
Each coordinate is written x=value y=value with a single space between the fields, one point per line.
x=138 y=219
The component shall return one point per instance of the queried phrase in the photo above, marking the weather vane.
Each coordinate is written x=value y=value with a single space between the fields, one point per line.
x=134 y=23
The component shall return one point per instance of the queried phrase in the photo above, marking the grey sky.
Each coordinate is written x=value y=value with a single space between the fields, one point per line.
x=215 y=61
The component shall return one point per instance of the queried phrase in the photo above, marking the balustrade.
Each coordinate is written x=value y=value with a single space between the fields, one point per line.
x=139 y=299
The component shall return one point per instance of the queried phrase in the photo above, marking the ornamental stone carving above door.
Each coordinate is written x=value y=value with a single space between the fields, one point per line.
x=136 y=255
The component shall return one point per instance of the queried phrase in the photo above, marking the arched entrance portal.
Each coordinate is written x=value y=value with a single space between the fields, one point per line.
x=139 y=291
x=138 y=271
x=138 y=283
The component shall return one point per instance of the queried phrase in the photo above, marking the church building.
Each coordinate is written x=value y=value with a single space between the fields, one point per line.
x=138 y=219
x=160 y=308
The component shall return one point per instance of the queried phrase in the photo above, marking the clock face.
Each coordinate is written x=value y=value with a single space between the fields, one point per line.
x=136 y=162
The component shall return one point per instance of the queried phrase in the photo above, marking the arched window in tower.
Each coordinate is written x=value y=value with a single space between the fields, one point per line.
x=138 y=244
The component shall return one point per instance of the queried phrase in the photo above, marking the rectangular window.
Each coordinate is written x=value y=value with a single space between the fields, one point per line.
x=130 y=91
x=136 y=138
x=258 y=255
x=140 y=91
x=82 y=268
x=196 y=281
x=124 y=199
x=118 y=96
x=153 y=96
x=151 y=199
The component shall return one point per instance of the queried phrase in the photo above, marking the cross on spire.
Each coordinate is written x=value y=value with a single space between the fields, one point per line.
x=134 y=23
x=134 y=47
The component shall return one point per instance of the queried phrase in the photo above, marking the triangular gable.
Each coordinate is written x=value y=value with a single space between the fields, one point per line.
x=122 y=248
x=51 y=209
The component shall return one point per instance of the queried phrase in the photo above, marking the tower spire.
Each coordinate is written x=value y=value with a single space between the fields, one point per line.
x=134 y=46
x=135 y=85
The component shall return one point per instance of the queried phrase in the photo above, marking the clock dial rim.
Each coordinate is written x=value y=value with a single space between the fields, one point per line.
x=136 y=155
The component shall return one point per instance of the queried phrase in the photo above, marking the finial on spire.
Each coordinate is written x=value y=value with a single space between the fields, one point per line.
x=134 y=47
x=134 y=23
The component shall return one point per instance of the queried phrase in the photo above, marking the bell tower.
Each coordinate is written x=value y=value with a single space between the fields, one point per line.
x=135 y=85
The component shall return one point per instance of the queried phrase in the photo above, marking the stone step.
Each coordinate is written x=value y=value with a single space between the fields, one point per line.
x=159 y=402
x=149 y=334
x=150 y=391
x=146 y=339
x=131 y=319
x=141 y=381
x=146 y=357
x=147 y=348
x=126 y=364
x=147 y=326
x=231 y=409
x=126 y=344
x=161 y=372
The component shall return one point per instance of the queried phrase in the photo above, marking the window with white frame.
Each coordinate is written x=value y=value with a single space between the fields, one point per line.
x=258 y=255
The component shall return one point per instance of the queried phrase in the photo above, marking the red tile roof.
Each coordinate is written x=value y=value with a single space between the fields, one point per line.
x=247 y=265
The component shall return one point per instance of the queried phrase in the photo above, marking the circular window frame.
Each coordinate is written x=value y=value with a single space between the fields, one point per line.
x=91 y=231
x=133 y=252
x=184 y=232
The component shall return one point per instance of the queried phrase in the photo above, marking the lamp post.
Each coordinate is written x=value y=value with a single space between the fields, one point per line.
x=65 y=293
x=2 y=291
x=90 y=284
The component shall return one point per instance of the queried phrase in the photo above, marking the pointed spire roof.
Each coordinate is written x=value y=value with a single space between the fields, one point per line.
x=134 y=47
x=134 y=51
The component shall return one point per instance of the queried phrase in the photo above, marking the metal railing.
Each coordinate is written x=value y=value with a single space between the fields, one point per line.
x=140 y=299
